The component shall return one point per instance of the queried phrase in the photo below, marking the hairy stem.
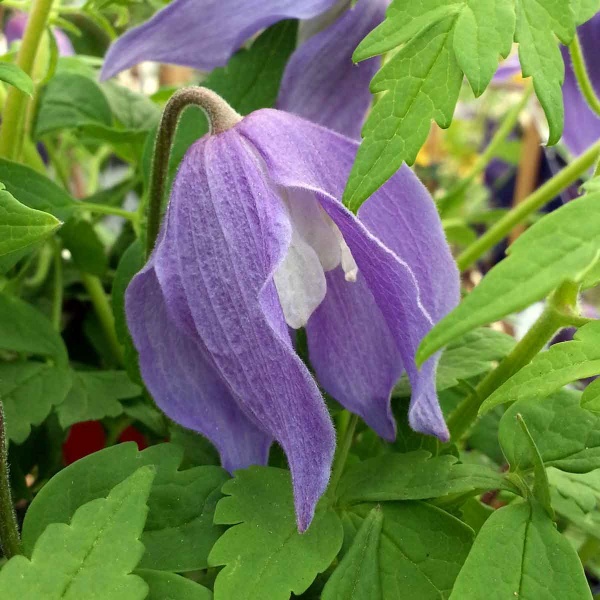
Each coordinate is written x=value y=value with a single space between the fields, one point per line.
x=531 y=204
x=9 y=529
x=582 y=75
x=557 y=314
x=13 y=117
x=345 y=439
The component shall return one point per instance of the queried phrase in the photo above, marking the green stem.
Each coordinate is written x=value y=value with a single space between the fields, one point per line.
x=557 y=314
x=13 y=117
x=582 y=75
x=94 y=288
x=103 y=209
x=345 y=439
x=44 y=260
x=531 y=204
x=452 y=199
x=9 y=529
x=57 y=295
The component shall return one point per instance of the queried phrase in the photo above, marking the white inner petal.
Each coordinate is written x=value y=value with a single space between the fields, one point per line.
x=300 y=282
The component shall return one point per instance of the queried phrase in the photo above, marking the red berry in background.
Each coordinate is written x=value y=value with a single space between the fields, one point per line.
x=131 y=434
x=83 y=439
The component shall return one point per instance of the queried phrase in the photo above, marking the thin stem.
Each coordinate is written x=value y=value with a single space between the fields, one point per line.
x=557 y=314
x=11 y=134
x=448 y=203
x=9 y=529
x=44 y=260
x=535 y=201
x=582 y=75
x=104 y=209
x=57 y=292
x=221 y=117
x=94 y=288
x=345 y=437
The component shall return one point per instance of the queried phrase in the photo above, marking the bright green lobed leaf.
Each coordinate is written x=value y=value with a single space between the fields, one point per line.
x=520 y=554
x=22 y=228
x=566 y=435
x=263 y=554
x=29 y=391
x=179 y=531
x=93 y=556
x=421 y=551
x=549 y=371
x=95 y=395
x=357 y=576
x=169 y=586
x=15 y=76
x=590 y=399
x=561 y=246
x=414 y=476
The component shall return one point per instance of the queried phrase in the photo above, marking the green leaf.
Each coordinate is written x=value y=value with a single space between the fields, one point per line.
x=179 y=531
x=263 y=553
x=561 y=246
x=590 y=399
x=414 y=476
x=21 y=228
x=87 y=250
x=520 y=554
x=35 y=190
x=549 y=371
x=95 y=395
x=585 y=10
x=567 y=436
x=24 y=329
x=169 y=586
x=422 y=548
x=357 y=576
x=71 y=101
x=29 y=391
x=93 y=556
x=541 y=487
x=420 y=83
x=15 y=76
x=132 y=110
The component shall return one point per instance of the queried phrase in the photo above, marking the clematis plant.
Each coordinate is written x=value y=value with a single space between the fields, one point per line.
x=332 y=92
x=255 y=241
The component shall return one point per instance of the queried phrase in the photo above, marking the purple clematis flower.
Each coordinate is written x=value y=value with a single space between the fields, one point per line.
x=255 y=241
x=320 y=83
x=15 y=28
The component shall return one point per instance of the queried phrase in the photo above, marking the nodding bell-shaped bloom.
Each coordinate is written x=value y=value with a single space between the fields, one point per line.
x=320 y=83
x=14 y=30
x=256 y=241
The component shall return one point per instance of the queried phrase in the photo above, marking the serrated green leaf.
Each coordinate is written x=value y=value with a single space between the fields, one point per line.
x=566 y=435
x=169 y=586
x=87 y=250
x=561 y=246
x=421 y=83
x=549 y=371
x=520 y=554
x=22 y=228
x=35 y=190
x=357 y=575
x=263 y=554
x=95 y=395
x=590 y=399
x=179 y=531
x=414 y=476
x=422 y=548
x=29 y=391
x=93 y=556
x=70 y=101
x=25 y=329
x=15 y=76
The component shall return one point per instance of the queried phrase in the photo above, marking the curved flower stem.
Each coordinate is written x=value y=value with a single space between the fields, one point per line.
x=103 y=209
x=449 y=201
x=557 y=314
x=345 y=439
x=582 y=75
x=9 y=530
x=532 y=203
x=220 y=117
x=13 y=117
x=104 y=313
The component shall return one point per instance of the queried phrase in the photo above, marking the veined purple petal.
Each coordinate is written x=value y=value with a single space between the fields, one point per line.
x=15 y=28
x=353 y=352
x=582 y=124
x=202 y=34
x=226 y=232
x=184 y=384
x=322 y=84
x=407 y=287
